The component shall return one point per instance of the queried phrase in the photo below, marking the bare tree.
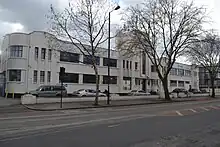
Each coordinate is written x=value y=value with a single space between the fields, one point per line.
x=162 y=29
x=83 y=24
x=206 y=52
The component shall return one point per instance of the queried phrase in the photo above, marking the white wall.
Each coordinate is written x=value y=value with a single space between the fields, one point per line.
x=28 y=64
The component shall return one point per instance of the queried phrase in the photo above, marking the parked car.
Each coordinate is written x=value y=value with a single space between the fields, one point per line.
x=87 y=93
x=203 y=91
x=194 y=91
x=138 y=93
x=179 y=90
x=49 y=91
x=152 y=92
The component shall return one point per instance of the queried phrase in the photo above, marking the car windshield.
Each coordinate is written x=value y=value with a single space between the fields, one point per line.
x=80 y=90
x=39 y=88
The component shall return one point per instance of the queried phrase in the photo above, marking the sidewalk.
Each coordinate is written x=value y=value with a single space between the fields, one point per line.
x=113 y=103
x=5 y=102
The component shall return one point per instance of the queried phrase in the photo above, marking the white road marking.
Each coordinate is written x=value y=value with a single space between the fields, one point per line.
x=112 y=126
x=193 y=110
x=180 y=114
x=31 y=116
x=204 y=108
x=108 y=110
x=36 y=128
x=214 y=107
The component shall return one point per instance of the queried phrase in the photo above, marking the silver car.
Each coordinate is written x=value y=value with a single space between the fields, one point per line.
x=49 y=91
x=138 y=93
x=87 y=93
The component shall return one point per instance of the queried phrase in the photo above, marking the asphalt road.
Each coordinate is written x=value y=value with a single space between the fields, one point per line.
x=189 y=124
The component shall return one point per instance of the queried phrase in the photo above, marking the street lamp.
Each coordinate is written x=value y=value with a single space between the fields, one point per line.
x=109 y=35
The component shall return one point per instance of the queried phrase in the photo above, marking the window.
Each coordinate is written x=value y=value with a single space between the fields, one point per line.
x=69 y=57
x=113 y=80
x=48 y=88
x=137 y=81
x=43 y=53
x=58 y=88
x=49 y=54
x=16 y=51
x=173 y=71
x=14 y=75
x=127 y=65
x=195 y=74
x=123 y=63
x=35 y=76
x=36 y=53
x=187 y=82
x=71 y=78
x=42 y=76
x=88 y=59
x=89 y=79
x=153 y=68
x=127 y=83
x=112 y=62
x=180 y=72
x=48 y=76
x=180 y=83
x=173 y=83
x=187 y=73
x=154 y=82
x=143 y=63
x=130 y=64
x=136 y=65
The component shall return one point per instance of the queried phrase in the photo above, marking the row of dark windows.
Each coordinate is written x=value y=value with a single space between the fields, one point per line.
x=43 y=53
x=90 y=79
x=74 y=57
x=128 y=65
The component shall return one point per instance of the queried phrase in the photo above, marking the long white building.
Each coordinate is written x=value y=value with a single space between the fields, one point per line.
x=28 y=61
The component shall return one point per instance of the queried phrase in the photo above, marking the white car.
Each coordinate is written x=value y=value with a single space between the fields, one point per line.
x=87 y=93
x=138 y=93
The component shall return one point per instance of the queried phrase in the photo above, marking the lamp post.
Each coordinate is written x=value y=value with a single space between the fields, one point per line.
x=109 y=37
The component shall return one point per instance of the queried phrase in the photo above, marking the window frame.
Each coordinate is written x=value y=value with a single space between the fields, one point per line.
x=173 y=83
x=49 y=54
x=113 y=80
x=16 y=51
x=42 y=76
x=87 y=60
x=136 y=65
x=112 y=62
x=43 y=53
x=16 y=75
x=36 y=53
x=71 y=78
x=89 y=79
x=35 y=76
x=48 y=76
x=69 y=57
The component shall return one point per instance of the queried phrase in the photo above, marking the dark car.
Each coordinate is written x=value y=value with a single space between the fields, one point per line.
x=179 y=90
x=203 y=91
x=49 y=91
x=194 y=91
x=152 y=92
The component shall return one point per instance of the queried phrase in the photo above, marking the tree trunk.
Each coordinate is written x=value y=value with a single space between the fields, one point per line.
x=166 y=90
x=97 y=86
x=213 y=87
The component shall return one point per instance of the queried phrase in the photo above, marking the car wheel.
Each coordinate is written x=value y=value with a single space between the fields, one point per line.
x=57 y=95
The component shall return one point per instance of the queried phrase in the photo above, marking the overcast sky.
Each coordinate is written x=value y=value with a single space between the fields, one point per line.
x=29 y=15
